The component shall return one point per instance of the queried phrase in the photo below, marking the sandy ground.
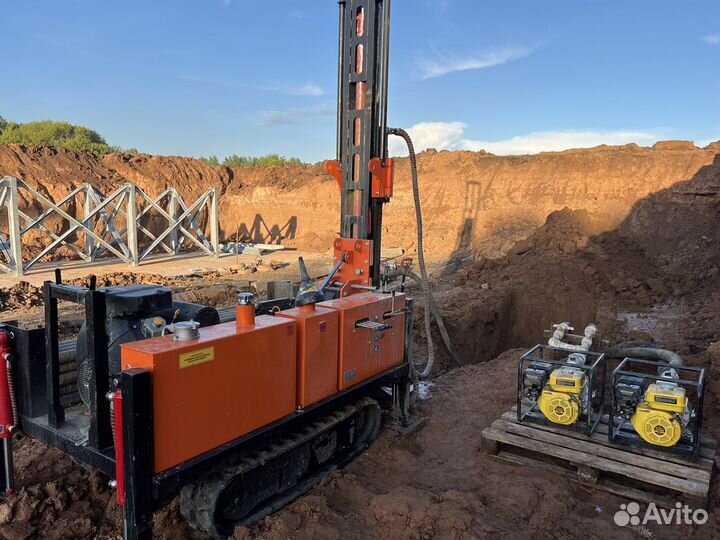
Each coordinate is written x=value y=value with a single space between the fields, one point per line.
x=438 y=484
x=435 y=483
x=180 y=266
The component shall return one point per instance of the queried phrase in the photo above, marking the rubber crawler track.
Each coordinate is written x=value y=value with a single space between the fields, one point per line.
x=199 y=501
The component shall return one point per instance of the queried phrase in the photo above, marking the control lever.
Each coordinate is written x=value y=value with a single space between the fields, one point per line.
x=394 y=312
x=332 y=273
x=397 y=313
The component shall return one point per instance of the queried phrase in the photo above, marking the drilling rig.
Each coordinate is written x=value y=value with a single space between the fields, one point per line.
x=238 y=412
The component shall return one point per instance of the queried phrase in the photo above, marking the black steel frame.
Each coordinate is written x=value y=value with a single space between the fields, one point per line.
x=36 y=369
x=692 y=378
x=100 y=432
x=595 y=373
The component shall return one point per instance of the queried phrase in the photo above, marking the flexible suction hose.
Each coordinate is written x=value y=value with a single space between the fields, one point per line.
x=423 y=278
x=646 y=353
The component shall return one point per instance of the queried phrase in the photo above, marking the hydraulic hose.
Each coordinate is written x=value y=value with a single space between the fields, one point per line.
x=423 y=278
x=457 y=359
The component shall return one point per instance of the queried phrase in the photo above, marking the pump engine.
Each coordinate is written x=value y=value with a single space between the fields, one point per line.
x=661 y=408
x=562 y=387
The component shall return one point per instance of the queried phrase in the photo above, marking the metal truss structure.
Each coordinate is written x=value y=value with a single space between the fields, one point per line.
x=127 y=224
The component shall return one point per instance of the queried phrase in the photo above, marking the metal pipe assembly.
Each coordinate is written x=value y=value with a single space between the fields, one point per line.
x=556 y=340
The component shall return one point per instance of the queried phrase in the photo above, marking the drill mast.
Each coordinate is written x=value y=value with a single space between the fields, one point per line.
x=362 y=169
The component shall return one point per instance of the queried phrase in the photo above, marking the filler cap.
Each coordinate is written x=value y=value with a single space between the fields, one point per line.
x=246 y=299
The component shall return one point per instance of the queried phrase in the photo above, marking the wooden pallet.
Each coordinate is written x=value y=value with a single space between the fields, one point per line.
x=637 y=473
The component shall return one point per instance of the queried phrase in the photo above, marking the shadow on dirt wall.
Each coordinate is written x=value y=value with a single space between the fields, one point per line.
x=665 y=250
x=260 y=232
x=475 y=192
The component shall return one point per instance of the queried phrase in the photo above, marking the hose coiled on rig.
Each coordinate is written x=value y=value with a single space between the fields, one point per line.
x=424 y=282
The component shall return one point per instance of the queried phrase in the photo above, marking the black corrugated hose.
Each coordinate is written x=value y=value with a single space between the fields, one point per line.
x=424 y=281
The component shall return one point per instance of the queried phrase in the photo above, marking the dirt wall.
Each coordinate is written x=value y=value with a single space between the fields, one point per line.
x=472 y=200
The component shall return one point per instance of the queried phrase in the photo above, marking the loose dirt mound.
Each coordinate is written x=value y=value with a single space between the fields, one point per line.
x=657 y=273
x=57 y=499
x=25 y=295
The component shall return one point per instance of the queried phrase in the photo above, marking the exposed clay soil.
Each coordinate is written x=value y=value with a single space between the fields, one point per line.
x=652 y=273
x=433 y=484
x=474 y=201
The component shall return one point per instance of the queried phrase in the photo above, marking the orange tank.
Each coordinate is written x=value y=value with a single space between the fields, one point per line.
x=317 y=351
x=211 y=390
x=364 y=352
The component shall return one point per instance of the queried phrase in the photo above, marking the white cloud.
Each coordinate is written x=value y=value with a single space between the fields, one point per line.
x=555 y=141
x=451 y=136
x=307 y=89
x=443 y=65
x=295 y=115
x=438 y=135
x=712 y=39
x=704 y=142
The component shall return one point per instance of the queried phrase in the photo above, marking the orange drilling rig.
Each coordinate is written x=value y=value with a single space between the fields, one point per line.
x=236 y=412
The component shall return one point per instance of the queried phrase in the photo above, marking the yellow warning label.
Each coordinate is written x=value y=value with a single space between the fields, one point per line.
x=198 y=357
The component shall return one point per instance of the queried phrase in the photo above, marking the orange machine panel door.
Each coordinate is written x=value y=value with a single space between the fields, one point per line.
x=211 y=390
x=365 y=353
x=317 y=351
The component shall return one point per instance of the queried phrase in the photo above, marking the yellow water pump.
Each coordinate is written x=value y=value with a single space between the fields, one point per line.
x=656 y=400
x=561 y=399
x=662 y=414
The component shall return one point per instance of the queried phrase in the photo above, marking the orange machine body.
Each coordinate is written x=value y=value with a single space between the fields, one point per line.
x=211 y=390
x=358 y=258
x=317 y=352
x=365 y=353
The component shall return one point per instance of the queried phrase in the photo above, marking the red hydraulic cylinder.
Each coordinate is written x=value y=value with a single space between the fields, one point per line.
x=7 y=416
x=117 y=401
x=7 y=420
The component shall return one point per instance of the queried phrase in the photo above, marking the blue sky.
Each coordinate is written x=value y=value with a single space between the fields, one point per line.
x=192 y=77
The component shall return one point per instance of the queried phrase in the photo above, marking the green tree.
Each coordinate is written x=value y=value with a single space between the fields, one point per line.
x=3 y=124
x=271 y=160
x=61 y=134
x=210 y=160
